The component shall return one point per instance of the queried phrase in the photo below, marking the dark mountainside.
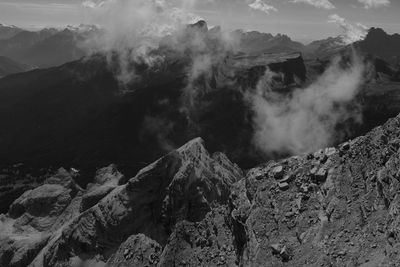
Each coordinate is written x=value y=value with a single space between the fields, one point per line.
x=379 y=43
x=79 y=117
x=9 y=66
x=193 y=206
x=92 y=123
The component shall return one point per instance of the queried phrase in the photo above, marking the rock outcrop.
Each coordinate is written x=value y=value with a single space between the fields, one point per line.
x=76 y=225
x=339 y=207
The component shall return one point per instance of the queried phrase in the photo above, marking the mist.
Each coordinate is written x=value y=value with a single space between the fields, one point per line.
x=307 y=119
x=135 y=31
x=351 y=32
x=298 y=122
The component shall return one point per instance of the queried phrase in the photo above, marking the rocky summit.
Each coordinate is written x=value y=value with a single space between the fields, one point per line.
x=339 y=206
x=117 y=221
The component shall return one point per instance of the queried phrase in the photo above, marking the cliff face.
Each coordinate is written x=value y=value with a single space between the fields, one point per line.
x=381 y=44
x=335 y=207
x=60 y=224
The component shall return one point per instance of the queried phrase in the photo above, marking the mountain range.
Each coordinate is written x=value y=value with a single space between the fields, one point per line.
x=79 y=116
x=52 y=47
x=8 y=31
x=185 y=182
x=45 y=48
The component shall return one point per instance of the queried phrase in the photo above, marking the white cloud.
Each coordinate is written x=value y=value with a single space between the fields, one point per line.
x=307 y=119
x=136 y=28
x=91 y=4
x=325 y=4
x=262 y=6
x=352 y=32
x=374 y=3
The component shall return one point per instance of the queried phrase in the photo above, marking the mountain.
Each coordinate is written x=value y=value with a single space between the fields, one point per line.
x=78 y=115
x=48 y=47
x=379 y=43
x=337 y=206
x=324 y=48
x=15 y=46
x=55 y=50
x=376 y=43
x=168 y=197
x=81 y=116
x=9 y=66
x=256 y=42
x=8 y=31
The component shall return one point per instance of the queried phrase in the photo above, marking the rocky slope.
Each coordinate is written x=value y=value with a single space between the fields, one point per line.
x=335 y=207
x=60 y=224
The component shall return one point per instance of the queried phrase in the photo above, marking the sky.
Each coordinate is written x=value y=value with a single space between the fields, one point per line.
x=303 y=20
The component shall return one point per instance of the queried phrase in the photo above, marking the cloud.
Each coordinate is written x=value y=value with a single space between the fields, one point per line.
x=374 y=3
x=135 y=30
x=352 y=32
x=262 y=6
x=325 y=4
x=91 y=4
x=307 y=119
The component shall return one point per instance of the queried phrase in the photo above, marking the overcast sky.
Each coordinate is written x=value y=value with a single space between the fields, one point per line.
x=300 y=19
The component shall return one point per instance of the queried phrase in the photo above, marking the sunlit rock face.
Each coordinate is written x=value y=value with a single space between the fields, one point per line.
x=337 y=205
x=73 y=222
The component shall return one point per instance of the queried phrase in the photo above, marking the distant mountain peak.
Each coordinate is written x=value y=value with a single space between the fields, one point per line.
x=8 y=25
x=81 y=28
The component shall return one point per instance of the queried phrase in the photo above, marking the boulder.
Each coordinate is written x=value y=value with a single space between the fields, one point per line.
x=278 y=172
x=137 y=250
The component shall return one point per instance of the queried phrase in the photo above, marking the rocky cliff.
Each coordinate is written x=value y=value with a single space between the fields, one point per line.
x=335 y=207
x=61 y=224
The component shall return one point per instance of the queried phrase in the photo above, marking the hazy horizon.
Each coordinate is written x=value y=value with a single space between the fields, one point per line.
x=302 y=20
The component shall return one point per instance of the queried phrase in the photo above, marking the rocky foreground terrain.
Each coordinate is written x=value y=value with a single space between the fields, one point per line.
x=335 y=207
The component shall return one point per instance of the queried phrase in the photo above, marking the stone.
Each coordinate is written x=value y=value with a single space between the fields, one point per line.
x=321 y=175
x=283 y=186
x=313 y=171
x=108 y=175
x=285 y=255
x=137 y=250
x=330 y=151
x=287 y=178
x=345 y=146
x=277 y=172
x=276 y=248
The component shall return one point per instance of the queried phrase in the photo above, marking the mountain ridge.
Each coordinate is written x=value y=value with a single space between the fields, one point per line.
x=280 y=213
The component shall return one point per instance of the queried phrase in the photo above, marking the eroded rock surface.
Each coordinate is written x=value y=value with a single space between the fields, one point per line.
x=92 y=226
x=335 y=207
